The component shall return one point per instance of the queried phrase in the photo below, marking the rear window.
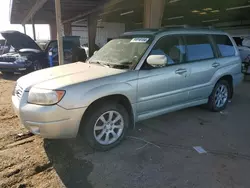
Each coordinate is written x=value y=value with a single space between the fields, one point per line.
x=224 y=45
x=198 y=48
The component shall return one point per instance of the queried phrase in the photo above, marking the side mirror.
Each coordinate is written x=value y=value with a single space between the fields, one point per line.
x=157 y=60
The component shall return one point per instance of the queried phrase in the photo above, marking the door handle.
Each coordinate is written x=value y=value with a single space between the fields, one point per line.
x=215 y=65
x=181 y=71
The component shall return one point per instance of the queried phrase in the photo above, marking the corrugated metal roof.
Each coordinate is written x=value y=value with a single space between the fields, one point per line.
x=70 y=8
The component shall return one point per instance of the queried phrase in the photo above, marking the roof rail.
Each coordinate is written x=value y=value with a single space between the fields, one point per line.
x=143 y=29
x=185 y=26
x=174 y=26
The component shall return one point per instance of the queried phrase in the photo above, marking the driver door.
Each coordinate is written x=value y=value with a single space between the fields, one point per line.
x=160 y=88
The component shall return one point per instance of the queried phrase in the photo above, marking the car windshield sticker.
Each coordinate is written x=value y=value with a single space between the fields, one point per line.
x=139 y=40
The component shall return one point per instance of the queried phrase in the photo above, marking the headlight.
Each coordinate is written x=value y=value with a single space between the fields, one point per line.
x=44 y=96
x=21 y=59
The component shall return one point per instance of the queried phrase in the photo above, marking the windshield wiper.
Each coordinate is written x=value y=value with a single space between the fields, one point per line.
x=96 y=62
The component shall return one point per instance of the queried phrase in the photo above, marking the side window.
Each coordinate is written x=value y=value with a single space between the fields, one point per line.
x=68 y=45
x=224 y=45
x=198 y=48
x=53 y=44
x=172 y=48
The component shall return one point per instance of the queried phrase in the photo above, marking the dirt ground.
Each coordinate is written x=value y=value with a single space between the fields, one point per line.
x=23 y=161
x=159 y=153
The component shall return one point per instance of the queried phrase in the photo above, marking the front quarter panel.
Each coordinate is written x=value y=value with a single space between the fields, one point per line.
x=83 y=94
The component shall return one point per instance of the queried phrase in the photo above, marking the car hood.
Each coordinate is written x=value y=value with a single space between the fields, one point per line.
x=19 y=40
x=65 y=75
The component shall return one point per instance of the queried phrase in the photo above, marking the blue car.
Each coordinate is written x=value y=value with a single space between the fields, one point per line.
x=27 y=55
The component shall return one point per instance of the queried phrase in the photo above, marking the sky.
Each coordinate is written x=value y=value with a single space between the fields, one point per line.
x=42 y=30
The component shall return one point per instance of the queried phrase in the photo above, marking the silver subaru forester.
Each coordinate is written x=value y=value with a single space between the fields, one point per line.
x=140 y=75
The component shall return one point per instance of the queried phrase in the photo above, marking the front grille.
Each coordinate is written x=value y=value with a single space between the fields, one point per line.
x=18 y=91
x=7 y=59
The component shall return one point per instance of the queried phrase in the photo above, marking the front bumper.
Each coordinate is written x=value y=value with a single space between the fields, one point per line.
x=13 y=67
x=52 y=122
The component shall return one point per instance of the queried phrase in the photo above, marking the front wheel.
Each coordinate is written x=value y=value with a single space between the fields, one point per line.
x=105 y=126
x=218 y=100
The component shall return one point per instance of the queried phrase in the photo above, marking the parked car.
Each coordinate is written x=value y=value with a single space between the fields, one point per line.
x=244 y=49
x=70 y=43
x=140 y=75
x=28 y=55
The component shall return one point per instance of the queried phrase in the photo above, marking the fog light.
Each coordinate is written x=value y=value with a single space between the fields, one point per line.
x=34 y=130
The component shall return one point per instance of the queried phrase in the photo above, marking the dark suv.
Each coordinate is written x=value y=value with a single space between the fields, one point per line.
x=28 y=55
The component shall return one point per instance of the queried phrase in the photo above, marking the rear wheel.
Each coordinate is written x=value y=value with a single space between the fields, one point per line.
x=105 y=126
x=218 y=100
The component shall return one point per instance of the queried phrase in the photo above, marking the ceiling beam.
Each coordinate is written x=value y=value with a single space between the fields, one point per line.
x=105 y=4
x=38 y=5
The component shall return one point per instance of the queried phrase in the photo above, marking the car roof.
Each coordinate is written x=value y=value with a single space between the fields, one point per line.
x=174 y=30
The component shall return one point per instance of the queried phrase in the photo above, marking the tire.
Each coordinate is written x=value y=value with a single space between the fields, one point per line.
x=93 y=122
x=37 y=66
x=218 y=99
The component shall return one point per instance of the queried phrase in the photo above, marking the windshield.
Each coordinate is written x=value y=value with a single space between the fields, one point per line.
x=122 y=53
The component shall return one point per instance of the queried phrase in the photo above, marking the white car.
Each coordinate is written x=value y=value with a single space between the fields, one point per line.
x=140 y=75
x=244 y=49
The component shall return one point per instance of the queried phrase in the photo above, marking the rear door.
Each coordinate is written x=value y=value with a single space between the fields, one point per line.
x=226 y=51
x=202 y=62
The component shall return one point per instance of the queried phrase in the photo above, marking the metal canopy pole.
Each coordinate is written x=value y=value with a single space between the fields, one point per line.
x=24 y=29
x=34 y=29
x=153 y=13
x=92 y=25
x=59 y=32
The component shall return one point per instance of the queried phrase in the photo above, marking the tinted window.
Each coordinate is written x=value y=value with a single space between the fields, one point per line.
x=66 y=45
x=52 y=44
x=171 y=47
x=225 y=45
x=198 y=48
x=238 y=41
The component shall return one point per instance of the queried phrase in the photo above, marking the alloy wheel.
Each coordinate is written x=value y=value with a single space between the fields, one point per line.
x=108 y=127
x=221 y=96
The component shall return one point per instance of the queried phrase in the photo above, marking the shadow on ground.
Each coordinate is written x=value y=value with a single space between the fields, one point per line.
x=72 y=172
